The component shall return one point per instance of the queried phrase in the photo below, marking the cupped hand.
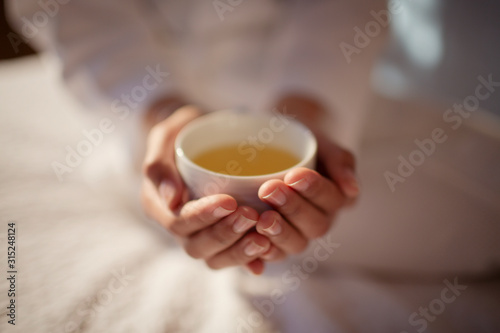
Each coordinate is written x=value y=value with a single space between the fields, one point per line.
x=213 y=228
x=306 y=202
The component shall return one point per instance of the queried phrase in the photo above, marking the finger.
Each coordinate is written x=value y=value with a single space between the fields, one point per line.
x=283 y=235
x=159 y=163
x=315 y=188
x=307 y=218
x=256 y=266
x=222 y=234
x=160 y=137
x=340 y=165
x=153 y=206
x=243 y=252
x=273 y=254
x=201 y=213
x=347 y=180
x=172 y=191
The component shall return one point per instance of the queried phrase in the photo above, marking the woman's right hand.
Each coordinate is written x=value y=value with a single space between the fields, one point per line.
x=213 y=228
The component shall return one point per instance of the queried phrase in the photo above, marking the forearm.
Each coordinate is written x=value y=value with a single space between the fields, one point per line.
x=304 y=108
x=161 y=109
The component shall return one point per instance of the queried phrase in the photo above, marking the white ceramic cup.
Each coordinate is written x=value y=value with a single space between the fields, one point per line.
x=224 y=128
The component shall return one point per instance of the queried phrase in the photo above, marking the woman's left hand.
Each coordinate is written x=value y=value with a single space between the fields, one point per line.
x=305 y=202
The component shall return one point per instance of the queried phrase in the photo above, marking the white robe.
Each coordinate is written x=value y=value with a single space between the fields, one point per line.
x=241 y=54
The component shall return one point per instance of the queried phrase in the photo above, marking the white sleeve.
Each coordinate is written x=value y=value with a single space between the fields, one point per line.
x=106 y=48
x=311 y=60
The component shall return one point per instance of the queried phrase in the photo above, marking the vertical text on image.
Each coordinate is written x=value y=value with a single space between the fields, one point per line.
x=11 y=271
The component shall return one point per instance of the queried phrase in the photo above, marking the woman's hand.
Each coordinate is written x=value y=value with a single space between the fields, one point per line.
x=306 y=201
x=223 y=234
x=212 y=228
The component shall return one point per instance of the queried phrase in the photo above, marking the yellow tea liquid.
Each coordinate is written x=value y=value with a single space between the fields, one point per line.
x=246 y=161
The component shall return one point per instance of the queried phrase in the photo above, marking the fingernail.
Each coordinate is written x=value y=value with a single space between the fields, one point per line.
x=300 y=185
x=243 y=224
x=351 y=187
x=166 y=189
x=221 y=212
x=277 y=197
x=253 y=249
x=274 y=229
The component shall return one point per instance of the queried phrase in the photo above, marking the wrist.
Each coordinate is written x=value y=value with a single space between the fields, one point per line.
x=162 y=109
x=306 y=109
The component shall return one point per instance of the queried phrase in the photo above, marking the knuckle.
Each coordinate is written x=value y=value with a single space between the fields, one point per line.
x=194 y=215
x=236 y=255
x=292 y=209
x=153 y=169
x=200 y=220
x=221 y=234
x=284 y=237
x=315 y=187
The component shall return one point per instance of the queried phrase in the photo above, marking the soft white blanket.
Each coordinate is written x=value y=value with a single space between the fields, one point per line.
x=87 y=260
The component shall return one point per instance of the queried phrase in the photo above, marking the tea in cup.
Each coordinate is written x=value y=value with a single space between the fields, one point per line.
x=235 y=153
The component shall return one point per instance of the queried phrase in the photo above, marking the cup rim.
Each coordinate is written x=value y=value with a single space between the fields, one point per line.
x=179 y=152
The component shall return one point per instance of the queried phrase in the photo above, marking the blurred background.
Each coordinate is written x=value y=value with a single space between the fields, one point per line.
x=436 y=50
x=7 y=51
